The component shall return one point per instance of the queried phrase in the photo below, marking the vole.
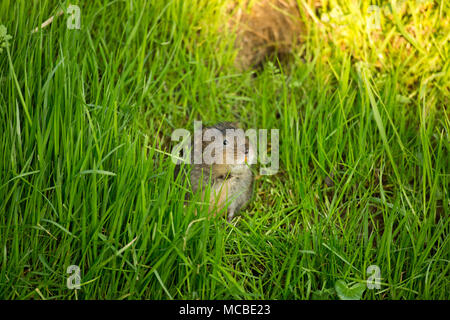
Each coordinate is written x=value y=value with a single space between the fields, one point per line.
x=229 y=173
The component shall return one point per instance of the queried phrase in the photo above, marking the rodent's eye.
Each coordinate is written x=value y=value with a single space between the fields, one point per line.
x=225 y=142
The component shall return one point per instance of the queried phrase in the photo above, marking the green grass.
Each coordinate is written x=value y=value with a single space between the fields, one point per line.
x=86 y=116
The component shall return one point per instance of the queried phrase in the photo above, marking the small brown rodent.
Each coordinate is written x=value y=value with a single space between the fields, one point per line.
x=231 y=178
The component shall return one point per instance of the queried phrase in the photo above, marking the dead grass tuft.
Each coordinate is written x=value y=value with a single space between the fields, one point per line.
x=264 y=29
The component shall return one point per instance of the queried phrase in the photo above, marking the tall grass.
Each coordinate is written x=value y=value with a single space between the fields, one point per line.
x=86 y=117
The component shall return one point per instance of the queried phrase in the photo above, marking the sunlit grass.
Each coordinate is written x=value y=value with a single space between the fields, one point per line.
x=364 y=154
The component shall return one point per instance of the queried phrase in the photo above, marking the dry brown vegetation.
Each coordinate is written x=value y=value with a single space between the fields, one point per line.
x=264 y=28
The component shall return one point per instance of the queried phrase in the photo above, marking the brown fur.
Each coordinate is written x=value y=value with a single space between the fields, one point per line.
x=231 y=184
